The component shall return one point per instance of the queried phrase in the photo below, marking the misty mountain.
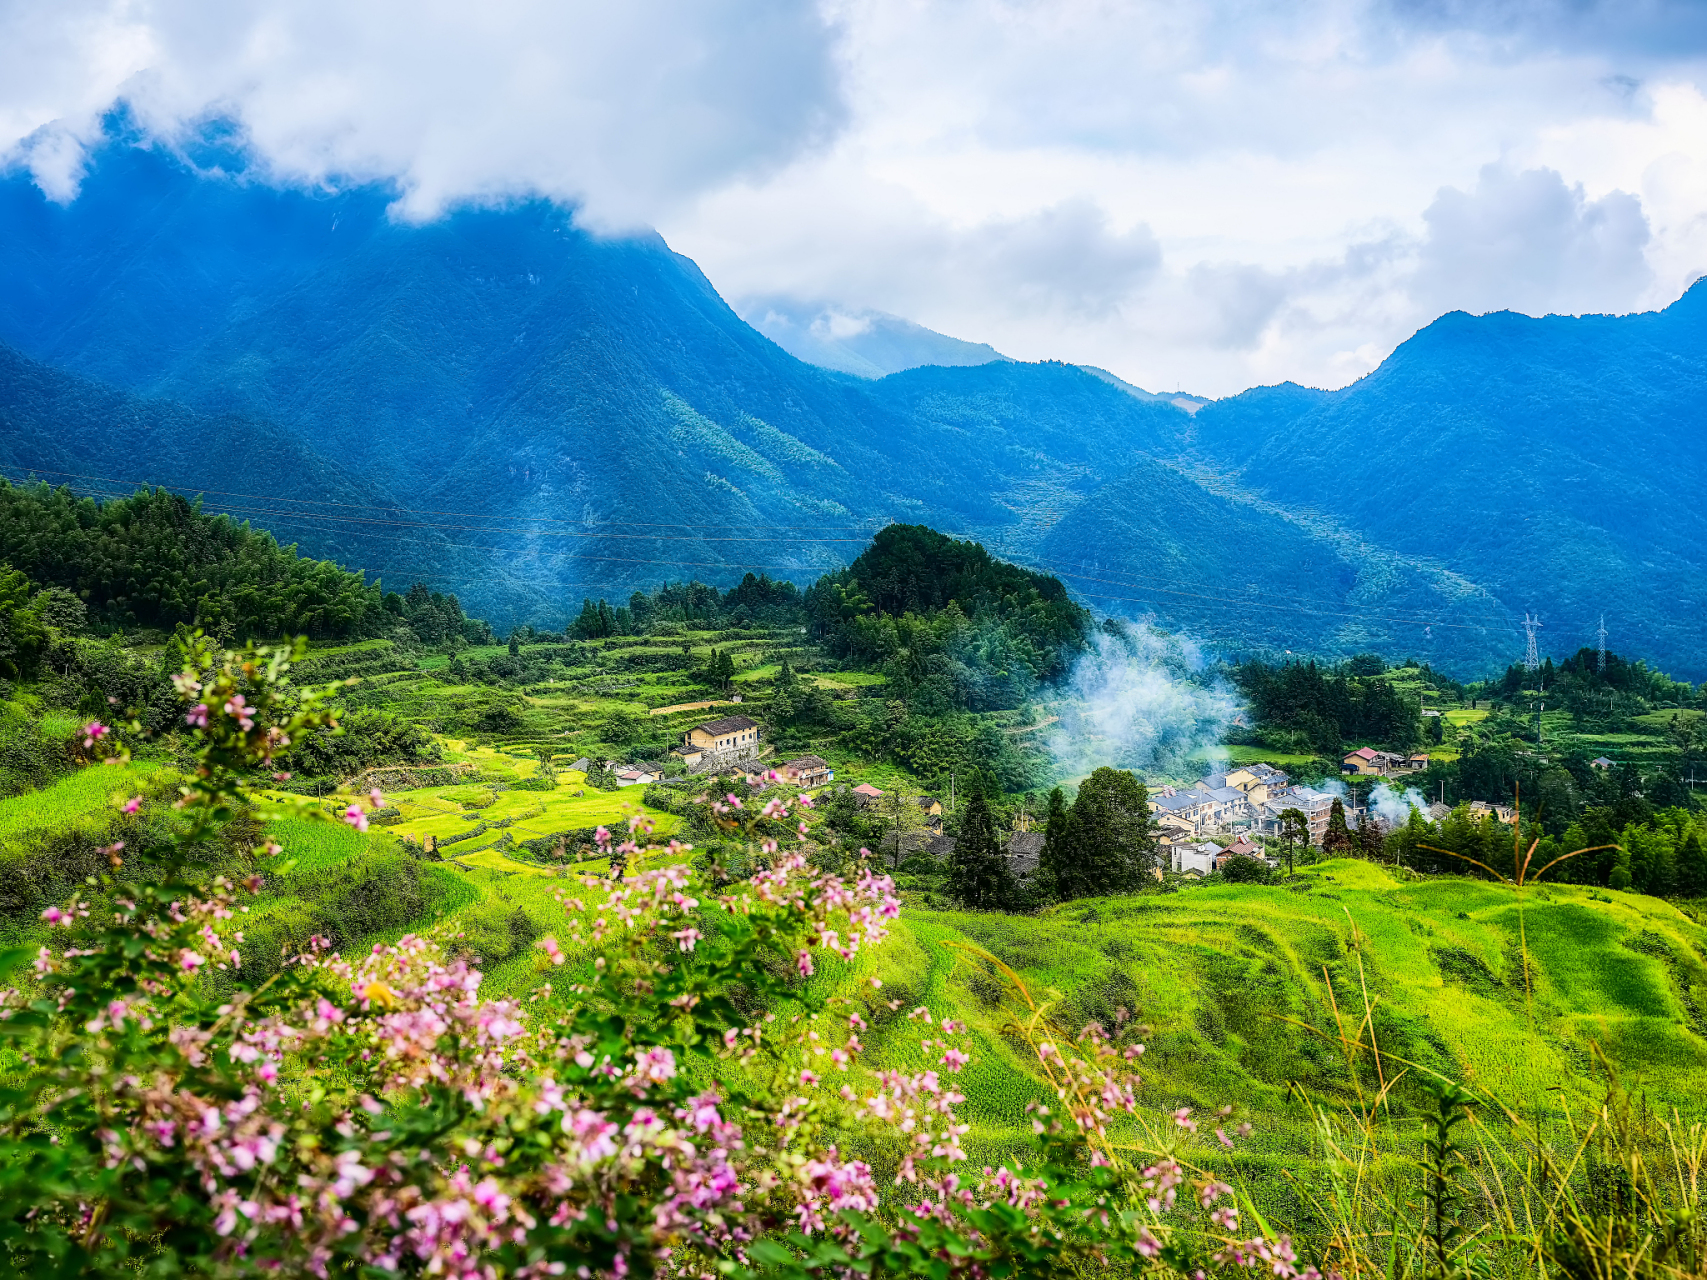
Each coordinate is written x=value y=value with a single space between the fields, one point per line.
x=526 y=414
x=867 y=344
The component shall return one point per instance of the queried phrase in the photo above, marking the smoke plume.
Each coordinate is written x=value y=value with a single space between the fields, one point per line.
x=1140 y=699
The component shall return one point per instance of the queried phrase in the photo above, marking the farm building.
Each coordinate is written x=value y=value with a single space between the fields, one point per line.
x=731 y=733
x=808 y=771
x=1023 y=850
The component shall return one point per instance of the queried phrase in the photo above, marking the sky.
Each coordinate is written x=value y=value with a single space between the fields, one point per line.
x=1198 y=196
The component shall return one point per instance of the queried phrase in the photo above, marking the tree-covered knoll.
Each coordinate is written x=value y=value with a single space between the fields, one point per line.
x=947 y=621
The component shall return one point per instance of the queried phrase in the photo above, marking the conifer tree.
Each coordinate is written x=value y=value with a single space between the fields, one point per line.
x=1371 y=837
x=1294 y=831
x=1338 y=839
x=1692 y=868
x=978 y=873
x=1049 y=861
x=1104 y=843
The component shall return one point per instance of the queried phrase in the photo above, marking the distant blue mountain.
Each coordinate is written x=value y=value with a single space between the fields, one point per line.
x=1556 y=462
x=867 y=344
x=527 y=414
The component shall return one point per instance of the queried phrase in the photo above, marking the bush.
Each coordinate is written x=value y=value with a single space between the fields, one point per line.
x=1240 y=869
x=363 y=738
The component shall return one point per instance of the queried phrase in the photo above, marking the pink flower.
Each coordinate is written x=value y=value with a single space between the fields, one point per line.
x=687 y=938
x=93 y=732
x=133 y=804
x=243 y=714
x=355 y=817
x=953 y=1059
x=1183 y=1119
x=53 y=915
x=197 y=716
x=377 y=797
x=189 y=961
x=548 y=944
x=601 y=837
x=656 y=1064
x=803 y=962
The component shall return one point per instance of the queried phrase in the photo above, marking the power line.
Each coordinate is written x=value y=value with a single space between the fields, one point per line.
x=1246 y=603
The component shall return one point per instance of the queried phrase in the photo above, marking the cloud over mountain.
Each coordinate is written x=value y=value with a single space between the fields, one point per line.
x=1214 y=194
x=623 y=109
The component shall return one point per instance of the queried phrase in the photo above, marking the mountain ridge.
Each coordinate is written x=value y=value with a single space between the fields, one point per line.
x=555 y=415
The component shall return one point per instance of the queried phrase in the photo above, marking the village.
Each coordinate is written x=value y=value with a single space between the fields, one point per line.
x=1242 y=812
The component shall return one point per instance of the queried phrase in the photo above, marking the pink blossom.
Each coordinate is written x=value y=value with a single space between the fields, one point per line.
x=803 y=962
x=657 y=1064
x=954 y=1060
x=244 y=715
x=548 y=944
x=189 y=961
x=377 y=797
x=686 y=939
x=133 y=804
x=355 y=817
x=196 y=718
x=93 y=732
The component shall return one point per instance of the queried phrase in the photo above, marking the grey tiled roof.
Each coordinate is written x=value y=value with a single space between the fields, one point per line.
x=729 y=724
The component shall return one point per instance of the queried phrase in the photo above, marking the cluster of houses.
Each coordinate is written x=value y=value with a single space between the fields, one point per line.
x=1366 y=762
x=1246 y=801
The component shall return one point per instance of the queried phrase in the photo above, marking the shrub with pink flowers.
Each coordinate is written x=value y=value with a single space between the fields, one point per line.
x=375 y=1114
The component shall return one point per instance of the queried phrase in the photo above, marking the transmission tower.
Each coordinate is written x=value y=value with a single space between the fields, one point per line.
x=1531 y=656
x=1600 y=664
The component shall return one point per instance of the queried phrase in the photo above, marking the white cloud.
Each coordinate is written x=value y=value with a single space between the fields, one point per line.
x=625 y=109
x=1208 y=194
x=1283 y=157
x=1527 y=242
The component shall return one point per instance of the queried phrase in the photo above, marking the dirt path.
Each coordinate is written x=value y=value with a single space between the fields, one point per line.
x=1032 y=728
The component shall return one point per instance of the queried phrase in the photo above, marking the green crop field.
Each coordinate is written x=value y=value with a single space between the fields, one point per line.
x=1243 y=754
x=83 y=798
x=1230 y=979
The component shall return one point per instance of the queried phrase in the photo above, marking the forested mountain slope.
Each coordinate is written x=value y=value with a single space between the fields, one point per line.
x=1555 y=460
x=522 y=413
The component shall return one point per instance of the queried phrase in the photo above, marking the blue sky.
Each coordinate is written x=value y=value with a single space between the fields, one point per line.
x=1199 y=195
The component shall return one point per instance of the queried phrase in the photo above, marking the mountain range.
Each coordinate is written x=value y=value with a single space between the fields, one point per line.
x=506 y=406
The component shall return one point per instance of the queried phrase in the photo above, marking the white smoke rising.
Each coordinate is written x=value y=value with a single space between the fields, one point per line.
x=1140 y=700
x=1394 y=807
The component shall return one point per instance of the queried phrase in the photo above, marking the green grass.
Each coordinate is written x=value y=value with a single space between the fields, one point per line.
x=85 y=796
x=311 y=845
x=1242 y=754
x=1213 y=970
x=1463 y=716
x=1661 y=720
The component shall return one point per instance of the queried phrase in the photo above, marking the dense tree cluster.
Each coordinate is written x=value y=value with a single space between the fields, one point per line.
x=155 y=559
x=1104 y=842
x=1300 y=704
x=759 y=601
x=947 y=620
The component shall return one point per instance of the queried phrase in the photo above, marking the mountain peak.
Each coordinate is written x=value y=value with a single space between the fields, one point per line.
x=867 y=344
